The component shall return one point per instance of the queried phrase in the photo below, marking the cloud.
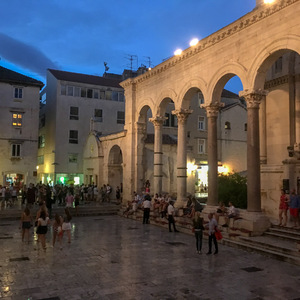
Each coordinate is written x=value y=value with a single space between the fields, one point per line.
x=24 y=55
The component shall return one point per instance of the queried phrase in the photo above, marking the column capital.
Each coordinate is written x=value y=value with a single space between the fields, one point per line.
x=182 y=114
x=141 y=127
x=212 y=109
x=158 y=120
x=253 y=98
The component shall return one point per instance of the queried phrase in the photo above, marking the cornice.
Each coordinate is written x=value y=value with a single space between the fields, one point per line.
x=256 y=15
x=277 y=81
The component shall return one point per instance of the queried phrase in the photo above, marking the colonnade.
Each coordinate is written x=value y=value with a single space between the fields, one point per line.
x=253 y=100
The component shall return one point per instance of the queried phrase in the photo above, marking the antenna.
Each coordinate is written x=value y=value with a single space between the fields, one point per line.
x=149 y=61
x=106 y=67
x=131 y=58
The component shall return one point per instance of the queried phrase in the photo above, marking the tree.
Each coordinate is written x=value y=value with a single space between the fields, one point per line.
x=233 y=187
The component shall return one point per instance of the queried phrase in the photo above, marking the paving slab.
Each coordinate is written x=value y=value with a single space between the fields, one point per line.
x=111 y=258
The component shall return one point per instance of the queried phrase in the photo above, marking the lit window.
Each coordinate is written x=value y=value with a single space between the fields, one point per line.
x=74 y=112
x=227 y=125
x=17 y=120
x=98 y=115
x=201 y=123
x=41 y=142
x=120 y=117
x=18 y=93
x=16 y=150
x=201 y=146
x=73 y=137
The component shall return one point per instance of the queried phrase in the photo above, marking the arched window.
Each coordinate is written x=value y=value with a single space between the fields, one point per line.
x=227 y=125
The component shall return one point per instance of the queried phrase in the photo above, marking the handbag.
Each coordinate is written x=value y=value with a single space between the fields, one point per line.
x=218 y=234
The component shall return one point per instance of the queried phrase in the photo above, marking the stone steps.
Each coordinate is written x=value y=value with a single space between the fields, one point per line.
x=83 y=210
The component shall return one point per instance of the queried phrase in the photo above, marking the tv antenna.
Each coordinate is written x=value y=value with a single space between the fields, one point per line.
x=106 y=67
x=132 y=58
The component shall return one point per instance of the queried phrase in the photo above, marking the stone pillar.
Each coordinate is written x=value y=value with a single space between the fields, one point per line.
x=212 y=111
x=182 y=115
x=158 y=154
x=253 y=99
x=141 y=131
x=263 y=132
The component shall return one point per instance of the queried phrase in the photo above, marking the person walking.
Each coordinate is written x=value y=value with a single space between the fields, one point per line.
x=42 y=228
x=146 y=206
x=57 y=229
x=171 y=213
x=26 y=220
x=212 y=225
x=198 y=230
x=66 y=225
x=283 y=208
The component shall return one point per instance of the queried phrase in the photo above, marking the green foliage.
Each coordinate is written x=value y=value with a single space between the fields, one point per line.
x=233 y=187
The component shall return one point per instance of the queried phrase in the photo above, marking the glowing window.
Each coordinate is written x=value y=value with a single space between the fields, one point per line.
x=17 y=120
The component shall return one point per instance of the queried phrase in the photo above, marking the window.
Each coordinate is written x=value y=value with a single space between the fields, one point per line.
x=96 y=94
x=200 y=99
x=201 y=123
x=201 y=146
x=74 y=113
x=108 y=95
x=73 y=158
x=17 y=119
x=167 y=121
x=174 y=121
x=89 y=93
x=73 y=137
x=42 y=121
x=40 y=160
x=77 y=91
x=18 y=93
x=98 y=115
x=227 y=125
x=245 y=126
x=115 y=96
x=121 y=97
x=102 y=95
x=63 y=90
x=70 y=91
x=120 y=117
x=16 y=150
x=41 y=142
x=83 y=92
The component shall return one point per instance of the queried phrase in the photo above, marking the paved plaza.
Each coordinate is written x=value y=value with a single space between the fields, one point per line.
x=111 y=257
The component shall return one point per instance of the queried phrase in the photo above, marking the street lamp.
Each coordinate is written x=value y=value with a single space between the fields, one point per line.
x=194 y=42
x=178 y=52
x=268 y=1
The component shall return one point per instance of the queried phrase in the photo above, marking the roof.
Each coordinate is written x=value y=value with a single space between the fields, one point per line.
x=166 y=139
x=13 y=77
x=83 y=78
x=228 y=94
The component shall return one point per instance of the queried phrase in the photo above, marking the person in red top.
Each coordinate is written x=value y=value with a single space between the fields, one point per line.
x=283 y=208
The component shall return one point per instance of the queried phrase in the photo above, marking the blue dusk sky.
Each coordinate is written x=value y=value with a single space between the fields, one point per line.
x=80 y=35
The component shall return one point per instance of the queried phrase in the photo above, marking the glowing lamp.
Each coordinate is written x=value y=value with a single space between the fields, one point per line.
x=178 y=52
x=194 y=42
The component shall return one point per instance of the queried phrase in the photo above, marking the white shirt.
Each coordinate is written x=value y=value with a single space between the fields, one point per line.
x=147 y=204
x=171 y=210
x=212 y=224
x=231 y=210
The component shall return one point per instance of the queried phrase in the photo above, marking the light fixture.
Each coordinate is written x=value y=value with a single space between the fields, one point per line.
x=178 y=52
x=194 y=42
x=268 y=1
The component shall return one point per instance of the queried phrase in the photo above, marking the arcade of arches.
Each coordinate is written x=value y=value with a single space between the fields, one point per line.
x=262 y=49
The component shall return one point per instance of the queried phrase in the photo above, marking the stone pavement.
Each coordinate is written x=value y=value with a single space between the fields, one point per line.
x=111 y=257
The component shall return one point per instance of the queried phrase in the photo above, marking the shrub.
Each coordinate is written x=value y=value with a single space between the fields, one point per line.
x=233 y=187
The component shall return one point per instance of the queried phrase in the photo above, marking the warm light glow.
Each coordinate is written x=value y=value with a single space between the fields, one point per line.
x=37 y=167
x=149 y=69
x=76 y=180
x=194 y=42
x=191 y=167
x=178 y=52
x=223 y=169
x=268 y=1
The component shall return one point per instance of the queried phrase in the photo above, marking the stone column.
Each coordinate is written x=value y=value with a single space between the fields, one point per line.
x=158 y=154
x=212 y=111
x=141 y=131
x=263 y=132
x=182 y=115
x=253 y=99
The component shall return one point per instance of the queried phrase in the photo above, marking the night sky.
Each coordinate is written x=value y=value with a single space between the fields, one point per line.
x=79 y=36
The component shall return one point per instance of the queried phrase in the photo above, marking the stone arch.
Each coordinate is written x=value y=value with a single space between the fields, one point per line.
x=222 y=76
x=189 y=89
x=165 y=97
x=142 y=109
x=115 y=166
x=267 y=56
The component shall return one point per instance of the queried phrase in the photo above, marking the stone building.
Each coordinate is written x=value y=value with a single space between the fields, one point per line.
x=19 y=117
x=72 y=105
